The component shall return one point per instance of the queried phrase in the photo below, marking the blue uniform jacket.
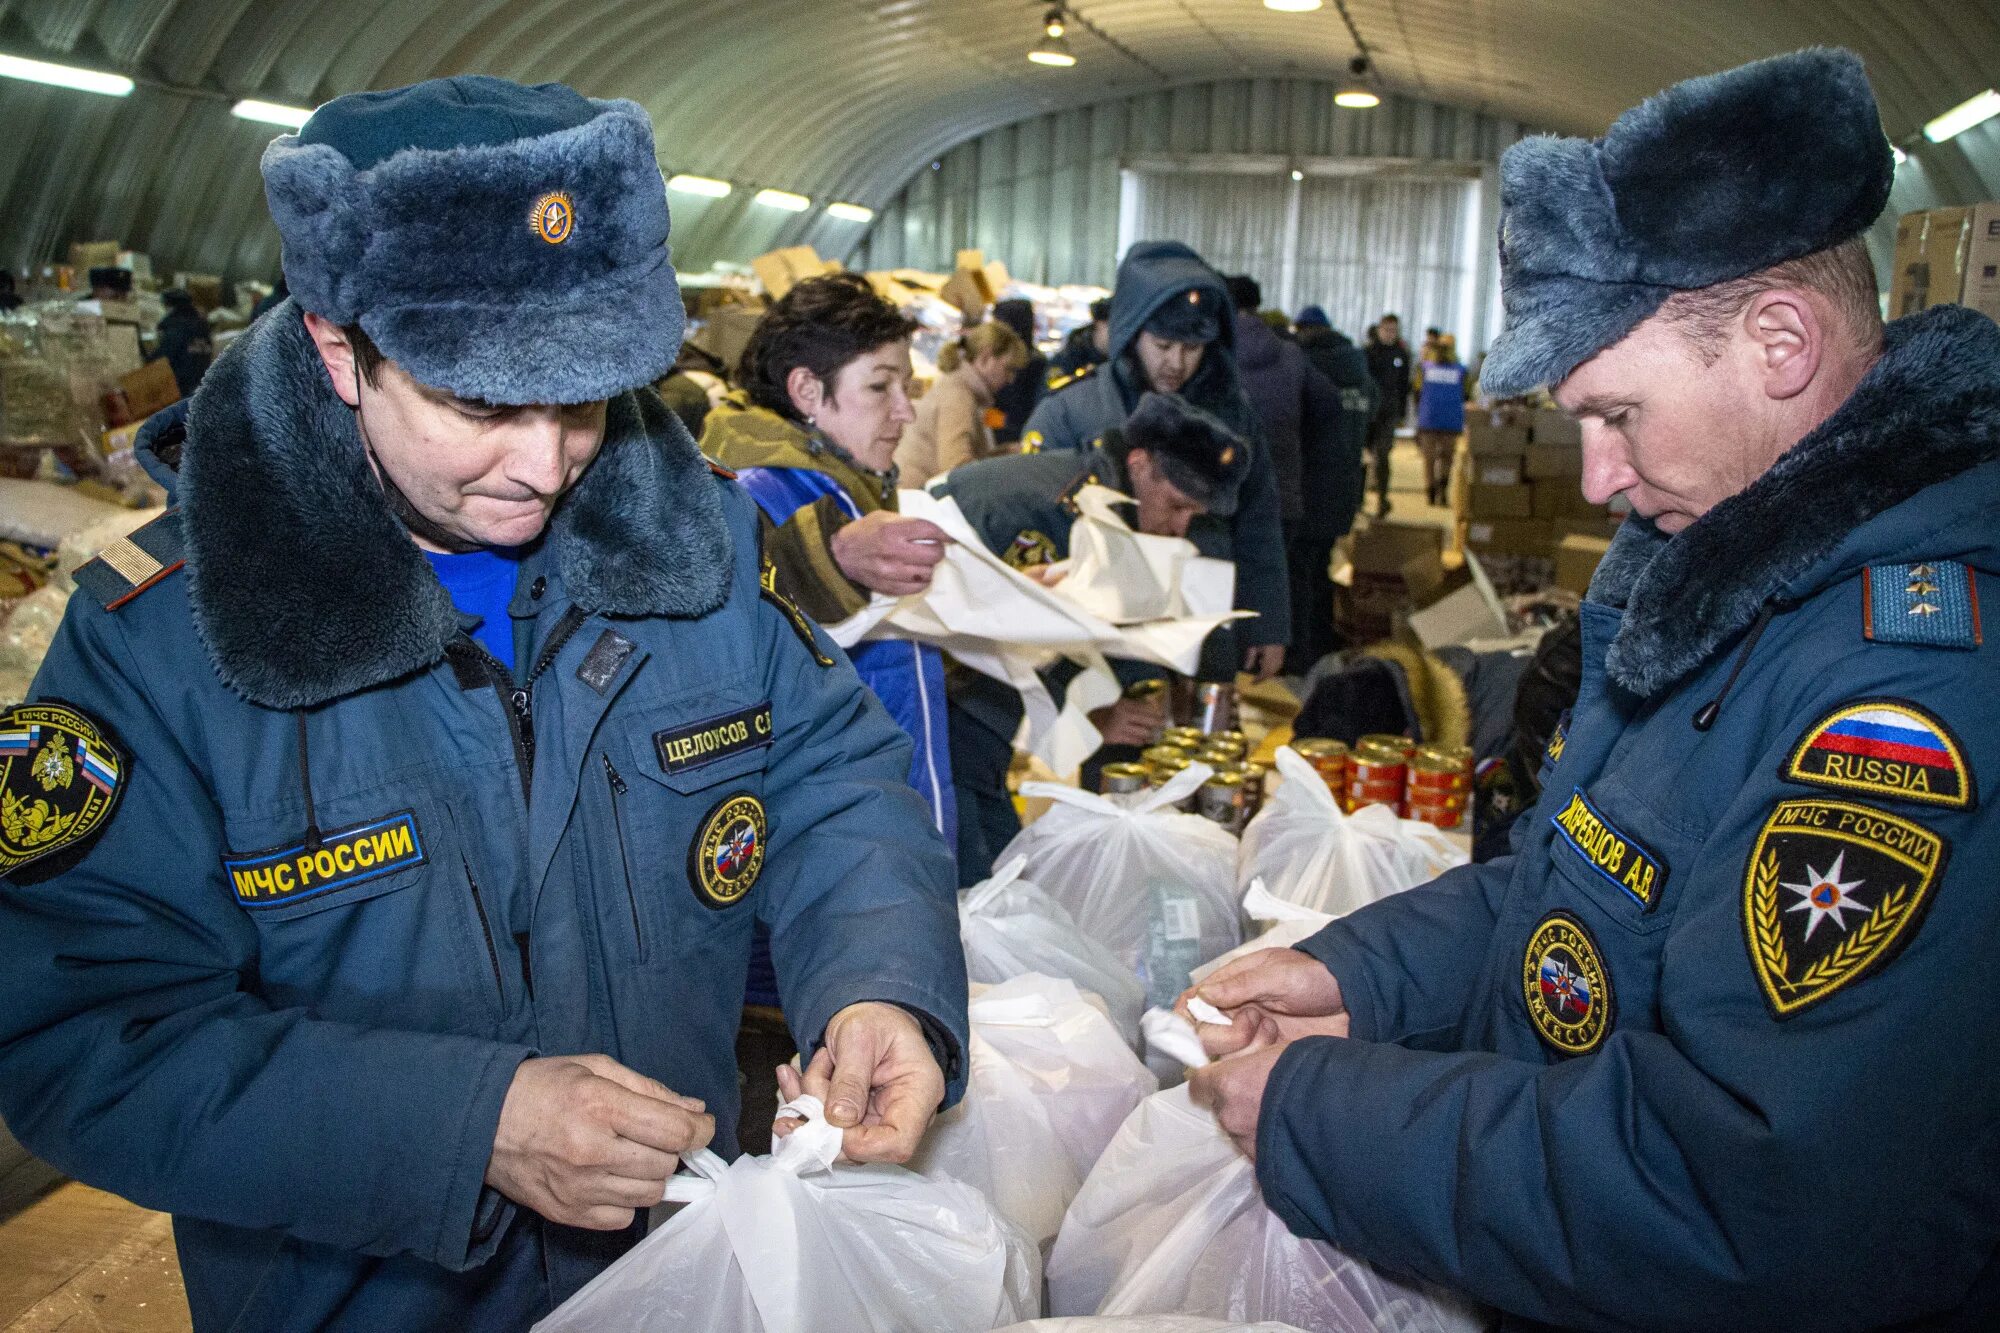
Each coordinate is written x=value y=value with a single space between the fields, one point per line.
x=301 y=1052
x=1714 y=1048
x=1076 y=416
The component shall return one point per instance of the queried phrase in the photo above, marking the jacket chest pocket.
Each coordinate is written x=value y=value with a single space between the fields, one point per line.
x=683 y=787
x=378 y=922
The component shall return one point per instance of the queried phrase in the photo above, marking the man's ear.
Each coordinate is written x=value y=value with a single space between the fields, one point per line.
x=1786 y=338
x=336 y=354
x=1139 y=467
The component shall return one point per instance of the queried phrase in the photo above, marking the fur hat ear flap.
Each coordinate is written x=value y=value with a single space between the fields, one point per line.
x=306 y=186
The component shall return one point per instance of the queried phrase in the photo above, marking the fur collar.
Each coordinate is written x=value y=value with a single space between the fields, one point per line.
x=1926 y=412
x=305 y=588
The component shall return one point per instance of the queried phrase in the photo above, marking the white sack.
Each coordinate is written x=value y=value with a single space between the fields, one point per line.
x=1155 y=886
x=790 y=1243
x=1011 y=927
x=1051 y=1082
x=1280 y=925
x=1171 y=1222
x=1309 y=853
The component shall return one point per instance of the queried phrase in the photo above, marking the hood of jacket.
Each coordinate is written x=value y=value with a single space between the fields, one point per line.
x=1153 y=273
x=1908 y=468
x=740 y=435
x=1258 y=347
x=305 y=587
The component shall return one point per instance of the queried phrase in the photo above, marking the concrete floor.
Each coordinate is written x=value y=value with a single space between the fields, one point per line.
x=83 y=1261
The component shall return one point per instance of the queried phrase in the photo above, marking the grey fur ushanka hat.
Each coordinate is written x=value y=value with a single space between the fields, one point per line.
x=1713 y=179
x=501 y=242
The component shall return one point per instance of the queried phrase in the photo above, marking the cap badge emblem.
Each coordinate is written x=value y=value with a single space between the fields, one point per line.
x=553 y=217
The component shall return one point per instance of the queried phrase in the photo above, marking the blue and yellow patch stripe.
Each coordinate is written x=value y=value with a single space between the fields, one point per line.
x=1610 y=851
x=344 y=858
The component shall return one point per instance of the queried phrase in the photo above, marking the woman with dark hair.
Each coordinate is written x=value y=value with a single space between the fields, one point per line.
x=811 y=431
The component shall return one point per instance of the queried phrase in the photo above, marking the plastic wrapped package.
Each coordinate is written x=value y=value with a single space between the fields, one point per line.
x=1308 y=852
x=1277 y=925
x=1011 y=927
x=1147 y=1323
x=1171 y=1222
x=25 y=637
x=1051 y=1082
x=1155 y=886
x=790 y=1243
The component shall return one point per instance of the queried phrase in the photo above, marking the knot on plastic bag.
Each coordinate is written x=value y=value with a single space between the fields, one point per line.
x=811 y=1147
x=980 y=896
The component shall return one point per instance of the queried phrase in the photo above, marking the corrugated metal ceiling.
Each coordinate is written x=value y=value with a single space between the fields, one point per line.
x=838 y=99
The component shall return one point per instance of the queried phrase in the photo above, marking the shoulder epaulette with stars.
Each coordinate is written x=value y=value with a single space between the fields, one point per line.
x=1934 y=603
x=134 y=563
x=1068 y=497
x=1059 y=380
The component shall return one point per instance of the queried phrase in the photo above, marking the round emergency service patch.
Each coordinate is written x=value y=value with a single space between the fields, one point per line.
x=554 y=215
x=60 y=780
x=1566 y=986
x=728 y=852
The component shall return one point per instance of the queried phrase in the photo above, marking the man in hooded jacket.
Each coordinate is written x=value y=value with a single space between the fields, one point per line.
x=1173 y=331
x=1713 y=1049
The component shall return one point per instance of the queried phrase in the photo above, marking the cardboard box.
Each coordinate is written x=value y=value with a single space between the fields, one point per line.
x=1510 y=536
x=781 y=270
x=87 y=255
x=1496 y=432
x=1554 y=427
x=1930 y=258
x=1576 y=561
x=1383 y=546
x=1981 y=290
x=1497 y=470
x=1501 y=502
x=726 y=332
x=150 y=388
x=1544 y=461
x=1598 y=525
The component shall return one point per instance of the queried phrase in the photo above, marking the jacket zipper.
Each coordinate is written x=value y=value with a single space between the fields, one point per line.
x=618 y=790
x=485 y=928
x=519 y=700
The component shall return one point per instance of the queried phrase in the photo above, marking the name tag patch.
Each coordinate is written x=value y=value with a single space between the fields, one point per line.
x=1886 y=747
x=345 y=857
x=1610 y=851
x=703 y=743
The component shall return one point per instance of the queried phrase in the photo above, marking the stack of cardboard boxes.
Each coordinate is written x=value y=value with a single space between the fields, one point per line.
x=1947 y=256
x=1526 y=500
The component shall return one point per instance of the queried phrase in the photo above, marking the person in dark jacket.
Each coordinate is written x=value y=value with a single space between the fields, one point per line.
x=185 y=340
x=1389 y=364
x=1332 y=483
x=1300 y=412
x=1713 y=1049
x=1085 y=347
x=1018 y=398
x=1173 y=331
x=1177 y=463
x=380 y=843
x=9 y=298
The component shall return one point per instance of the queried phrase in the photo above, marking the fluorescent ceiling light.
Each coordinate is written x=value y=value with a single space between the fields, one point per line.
x=1049 y=56
x=65 y=76
x=707 y=185
x=1358 y=98
x=1292 y=6
x=1963 y=116
x=1298 y=175
x=850 y=212
x=270 y=113
x=785 y=199
x=1053 y=50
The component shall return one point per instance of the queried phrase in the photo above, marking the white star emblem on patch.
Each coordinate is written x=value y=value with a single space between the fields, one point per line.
x=1826 y=895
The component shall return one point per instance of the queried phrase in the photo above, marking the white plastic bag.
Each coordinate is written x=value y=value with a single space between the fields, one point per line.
x=1011 y=927
x=1155 y=886
x=792 y=1244
x=1280 y=925
x=1147 y=1323
x=1171 y=1222
x=1051 y=1082
x=1308 y=852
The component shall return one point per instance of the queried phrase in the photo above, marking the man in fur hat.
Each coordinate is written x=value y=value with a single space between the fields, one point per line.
x=383 y=838
x=1714 y=1047
x=1177 y=463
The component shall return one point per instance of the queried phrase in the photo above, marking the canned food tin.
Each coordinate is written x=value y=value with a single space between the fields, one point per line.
x=1221 y=800
x=1433 y=772
x=1447 y=816
x=1402 y=745
x=1188 y=738
x=1163 y=751
x=1217 y=755
x=1163 y=768
x=1119 y=779
x=1376 y=775
x=1233 y=740
x=1328 y=756
x=1256 y=779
